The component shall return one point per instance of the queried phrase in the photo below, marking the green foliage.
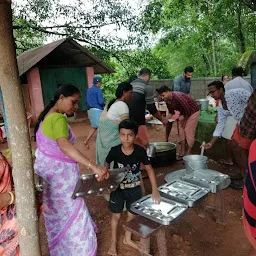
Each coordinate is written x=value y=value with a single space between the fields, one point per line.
x=127 y=63
x=209 y=35
x=26 y=38
x=81 y=20
x=247 y=59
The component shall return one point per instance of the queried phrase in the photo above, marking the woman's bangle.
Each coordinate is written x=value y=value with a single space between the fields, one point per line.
x=12 y=197
x=209 y=144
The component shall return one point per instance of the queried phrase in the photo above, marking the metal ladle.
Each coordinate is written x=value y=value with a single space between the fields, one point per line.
x=202 y=149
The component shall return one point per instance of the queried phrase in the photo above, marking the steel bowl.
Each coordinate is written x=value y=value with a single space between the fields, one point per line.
x=195 y=162
x=203 y=104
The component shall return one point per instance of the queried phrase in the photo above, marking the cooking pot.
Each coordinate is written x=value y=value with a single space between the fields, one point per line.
x=203 y=104
x=151 y=150
x=195 y=162
x=165 y=152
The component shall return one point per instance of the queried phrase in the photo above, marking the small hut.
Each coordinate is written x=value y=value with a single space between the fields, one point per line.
x=44 y=68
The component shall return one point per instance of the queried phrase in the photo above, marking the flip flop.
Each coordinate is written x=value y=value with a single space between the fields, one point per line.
x=224 y=162
x=237 y=176
x=237 y=184
x=179 y=158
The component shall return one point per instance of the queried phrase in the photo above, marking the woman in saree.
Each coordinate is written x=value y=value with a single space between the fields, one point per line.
x=69 y=226
x=116 y=111
x=9 y=245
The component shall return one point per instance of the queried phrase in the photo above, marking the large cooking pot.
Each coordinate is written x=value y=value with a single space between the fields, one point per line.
x=165 y=152
x=195 y=162
x=203 y=104
x=151 y=150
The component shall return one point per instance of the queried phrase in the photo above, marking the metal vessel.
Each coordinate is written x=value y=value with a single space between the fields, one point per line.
x=88 y=184
x=183 y=192
x=163 y=213
x=165 y=152
x=207 y=178
x=203 y=104
x=211 y=179
x=195 y=162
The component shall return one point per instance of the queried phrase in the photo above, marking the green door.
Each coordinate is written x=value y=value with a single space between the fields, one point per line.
x=51 y=78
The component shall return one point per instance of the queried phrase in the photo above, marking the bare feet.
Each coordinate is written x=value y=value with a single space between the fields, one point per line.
x=131 y=243
x=135 y=245
x=112 y=250
x=86 y=144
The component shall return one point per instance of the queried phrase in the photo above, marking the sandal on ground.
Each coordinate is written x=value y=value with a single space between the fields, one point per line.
x=224 y=162
x=237 y=176
x=237 y=184
x=179 y=157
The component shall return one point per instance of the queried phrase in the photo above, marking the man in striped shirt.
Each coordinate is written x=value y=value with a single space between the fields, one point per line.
x=182 y=107
x=142 y=98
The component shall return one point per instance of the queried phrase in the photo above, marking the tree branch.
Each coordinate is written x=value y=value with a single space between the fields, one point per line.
x=25 y=26
x=251 y=4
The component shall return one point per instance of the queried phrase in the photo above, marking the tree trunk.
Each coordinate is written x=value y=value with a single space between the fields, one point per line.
x=206 y=61
x=240 y=29
x=19 y=141
x=214 y=57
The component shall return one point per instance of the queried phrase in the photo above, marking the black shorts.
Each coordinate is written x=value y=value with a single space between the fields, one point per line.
x=121 y=196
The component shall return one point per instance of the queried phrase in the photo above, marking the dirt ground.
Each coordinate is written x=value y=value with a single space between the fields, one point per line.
x=189 y=235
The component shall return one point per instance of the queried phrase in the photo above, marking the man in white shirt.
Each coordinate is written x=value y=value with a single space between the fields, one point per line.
x=233 y=103
x=238 y=81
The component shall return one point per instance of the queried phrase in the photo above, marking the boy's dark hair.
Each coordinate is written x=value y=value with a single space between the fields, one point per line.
x=144 y=71
x=129 y=125
x=188 y=69
x=218 y=84
x=237 y=71
x=162 y=89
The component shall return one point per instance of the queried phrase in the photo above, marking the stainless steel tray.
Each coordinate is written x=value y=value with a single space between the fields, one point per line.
x=163 y=213
x=88 y=184
x=183 y=192
x=176 y=175
x=207 y=178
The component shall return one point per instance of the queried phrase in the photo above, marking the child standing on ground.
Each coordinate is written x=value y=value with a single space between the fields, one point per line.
x=128 y=155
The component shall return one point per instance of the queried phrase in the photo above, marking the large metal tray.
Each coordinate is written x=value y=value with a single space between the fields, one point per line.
x=183 y=192
x=163 y=213
x=88 y=184
x=207 y=178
